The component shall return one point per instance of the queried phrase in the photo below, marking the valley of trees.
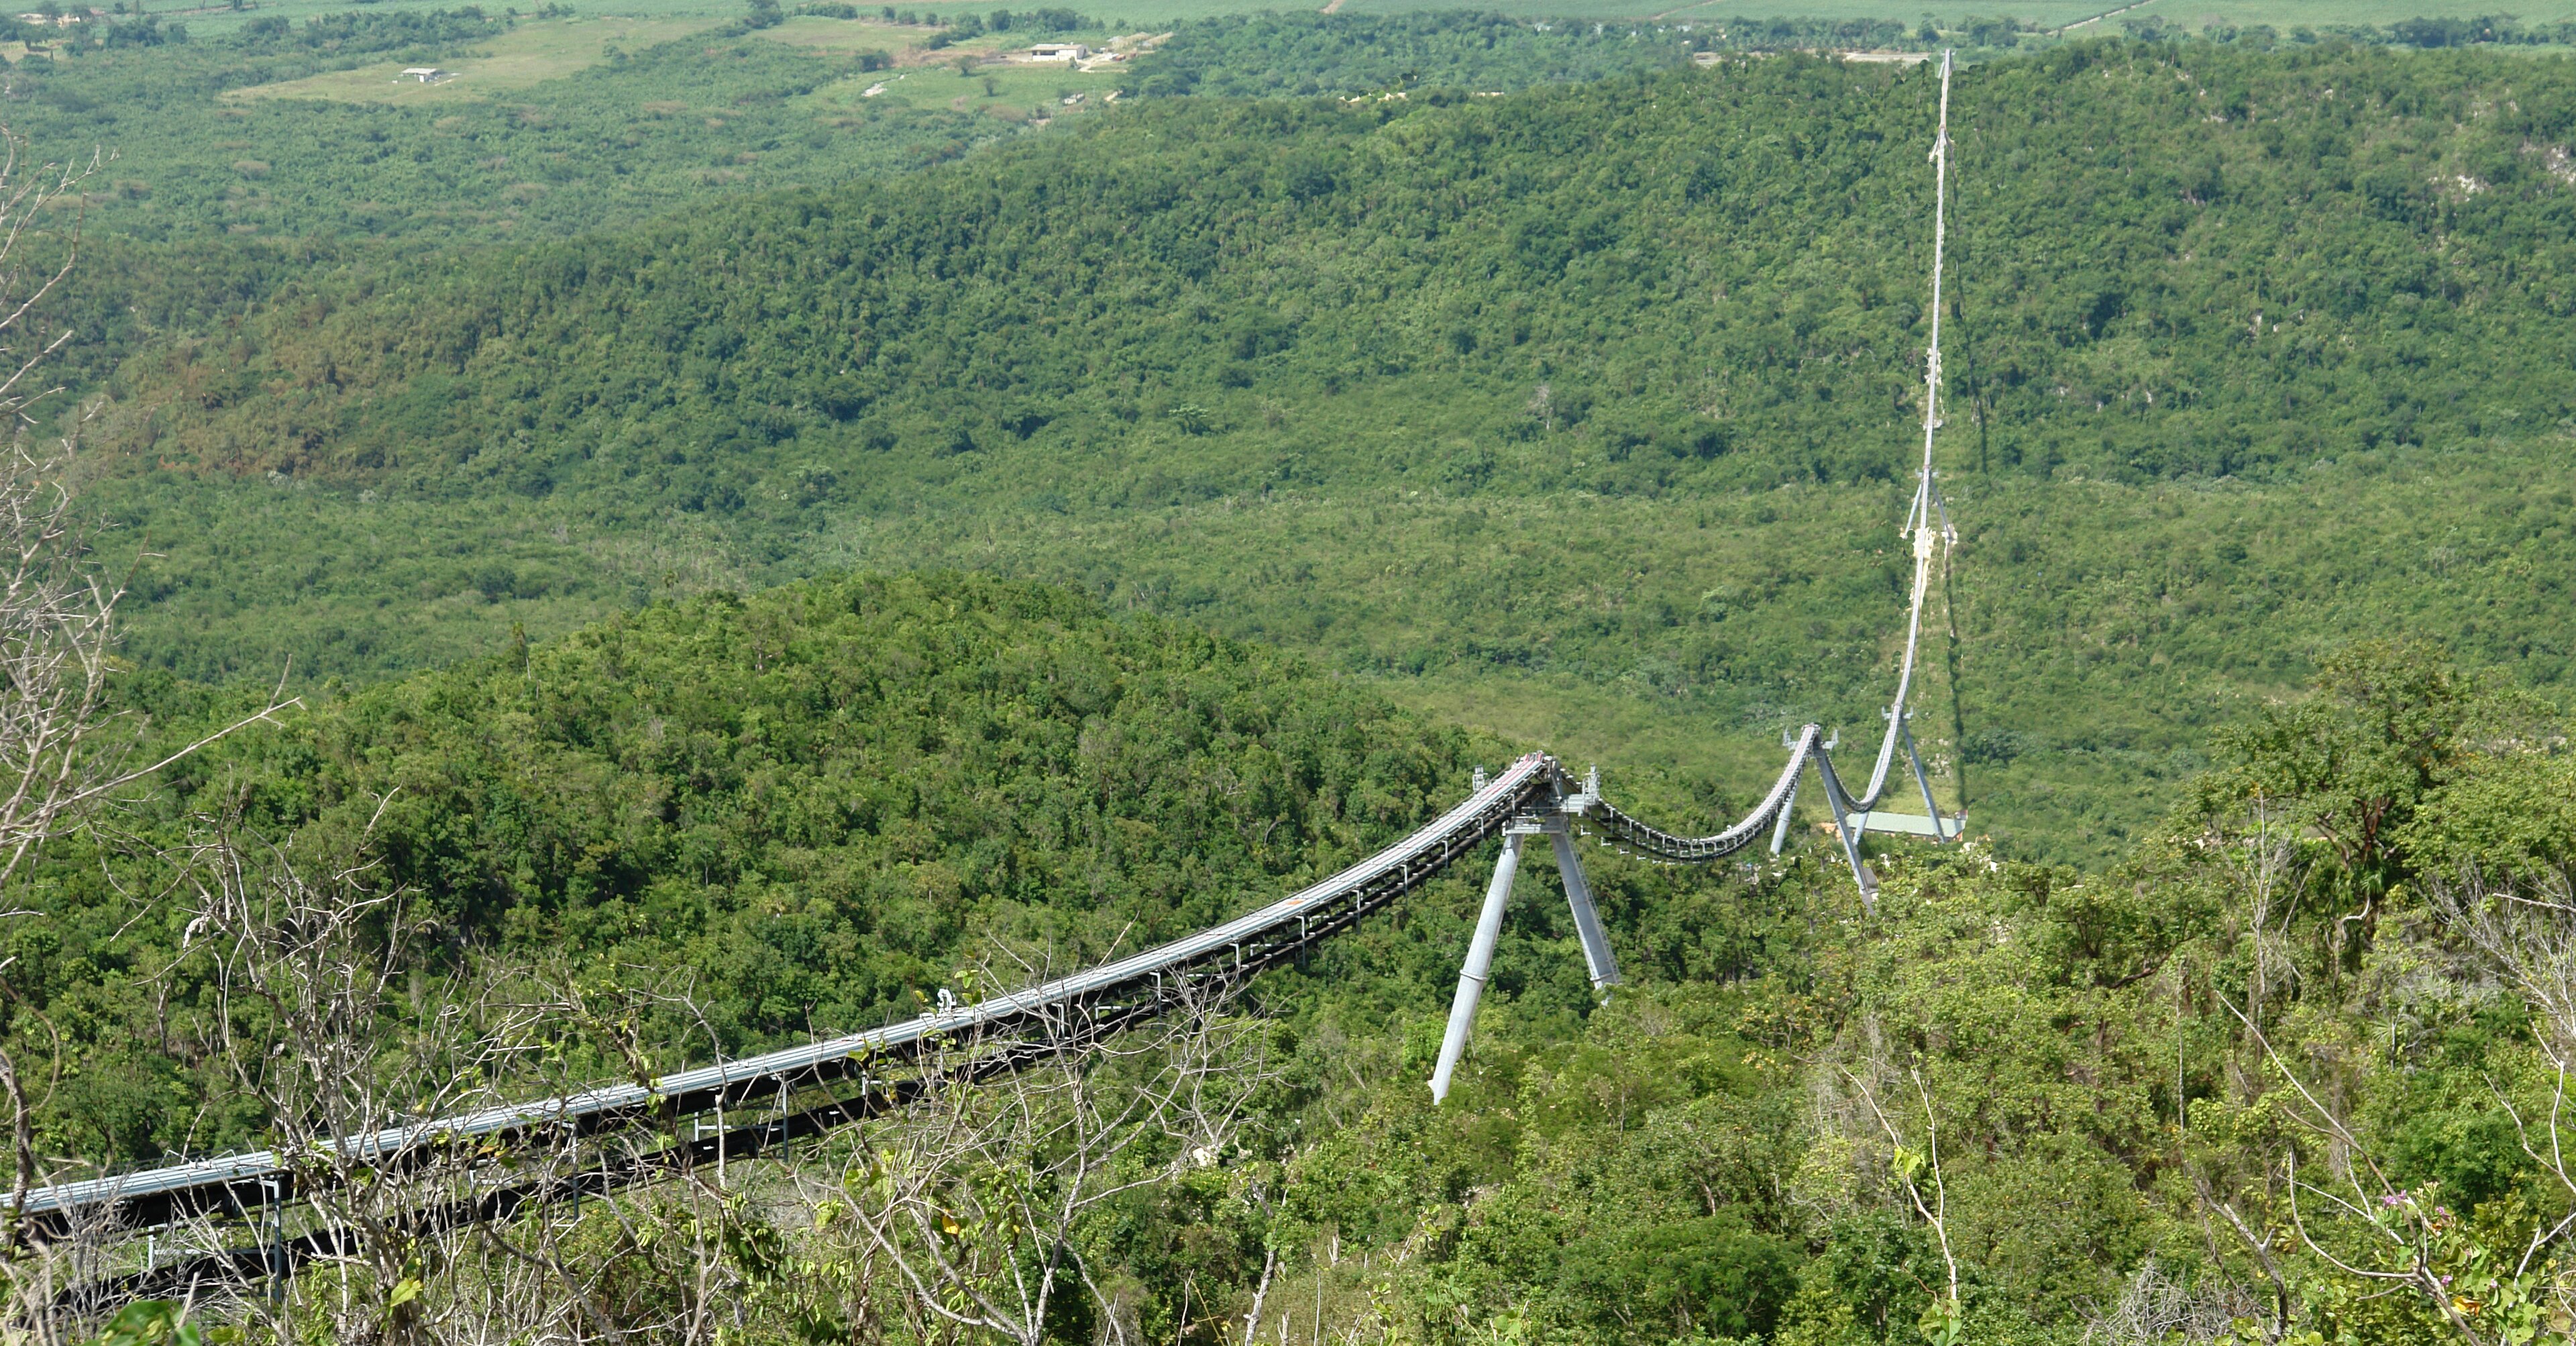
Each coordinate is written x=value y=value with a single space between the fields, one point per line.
x=617 y=143
x=784 y=574
x=1605 y=384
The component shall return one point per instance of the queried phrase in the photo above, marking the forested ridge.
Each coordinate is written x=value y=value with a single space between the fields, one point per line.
x=817 y=801
x=2111 y=281
x=1608 y=384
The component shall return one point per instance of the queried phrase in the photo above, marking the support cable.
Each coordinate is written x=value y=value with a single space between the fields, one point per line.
x=1927 y=519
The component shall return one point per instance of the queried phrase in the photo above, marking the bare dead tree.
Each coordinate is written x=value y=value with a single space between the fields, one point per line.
x=969 y=1206
x=2260 y=1203
x=2254 y=854
x=2156 y=1308
x=303 y=975
x=2343 y=1208
x=311 y=976
x=57 y=605
x=1911 y=1166
x=28 y=192
x=2527 y=933
x=59 y=758
x=2328 y=1193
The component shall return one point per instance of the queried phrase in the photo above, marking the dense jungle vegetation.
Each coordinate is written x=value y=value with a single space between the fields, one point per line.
x=614 y=143
x=741 y=599
x=1601 y=389
x=199 y=204
x=203 y=200
x=737 y=821
x=1302 y=55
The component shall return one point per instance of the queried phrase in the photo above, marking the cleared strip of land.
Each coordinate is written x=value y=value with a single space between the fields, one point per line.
x=525 y=57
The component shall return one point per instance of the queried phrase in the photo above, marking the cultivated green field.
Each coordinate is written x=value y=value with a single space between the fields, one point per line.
x=523 y=58
x=2078 y=17
x=534 y=53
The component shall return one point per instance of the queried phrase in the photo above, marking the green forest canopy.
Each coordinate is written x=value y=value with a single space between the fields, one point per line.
x=801 y=810
x=824 y=799
x=1547 y=408
x=1602 y=389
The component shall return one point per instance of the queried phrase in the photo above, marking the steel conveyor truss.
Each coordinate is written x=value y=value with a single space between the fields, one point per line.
x=860 y=1073
x=765 y=1100
x=775 y=1095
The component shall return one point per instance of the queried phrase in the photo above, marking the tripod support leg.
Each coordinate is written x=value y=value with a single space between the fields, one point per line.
x=1780 y=829
x=1931 y=806
x=1480 y=964
x=1603 y=965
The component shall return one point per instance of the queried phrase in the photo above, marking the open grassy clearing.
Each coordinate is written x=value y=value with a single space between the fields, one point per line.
x=527 y=56
x=1129 y=15
x=1010 y=90
x=981 y=75
x=535 y=53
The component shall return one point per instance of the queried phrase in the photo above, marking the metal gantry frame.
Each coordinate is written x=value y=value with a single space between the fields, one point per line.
x=1557 y=826
x=1928 y=526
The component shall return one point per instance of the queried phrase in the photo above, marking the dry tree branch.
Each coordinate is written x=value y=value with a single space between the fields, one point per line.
x=973 y=1199
x=309 y=975
x=1935 y=1213
x=2419 y=1273
x=57 y=608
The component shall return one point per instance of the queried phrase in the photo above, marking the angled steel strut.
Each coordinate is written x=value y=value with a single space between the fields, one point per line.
x=1603 y=965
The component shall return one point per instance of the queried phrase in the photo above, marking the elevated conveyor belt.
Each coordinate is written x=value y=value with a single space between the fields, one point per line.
x=1533 y=796
x=1119 y=991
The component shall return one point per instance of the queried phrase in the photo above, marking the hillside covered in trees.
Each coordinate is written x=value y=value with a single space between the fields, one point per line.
x=765 y=567
x=820 y=802
x=1602 y=390
x=2005 y=1103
